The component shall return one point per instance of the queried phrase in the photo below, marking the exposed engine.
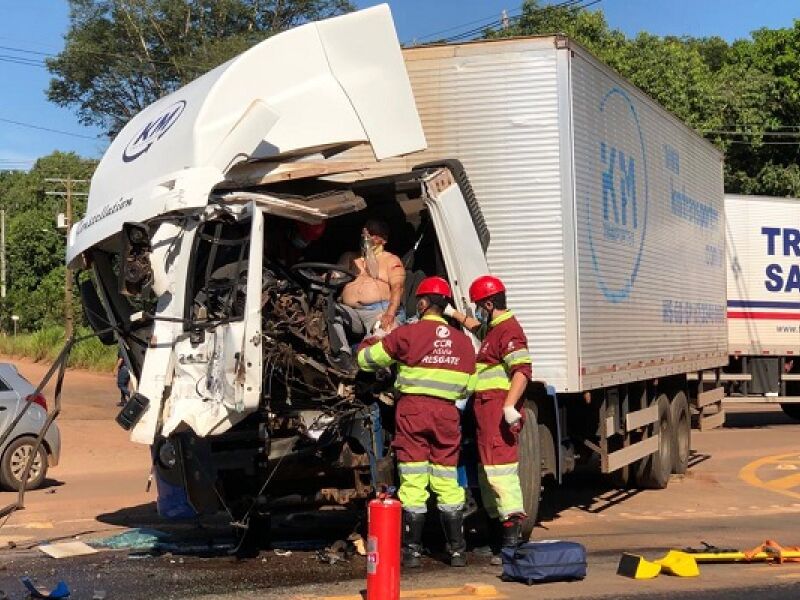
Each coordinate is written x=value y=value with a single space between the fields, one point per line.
x=296 y=345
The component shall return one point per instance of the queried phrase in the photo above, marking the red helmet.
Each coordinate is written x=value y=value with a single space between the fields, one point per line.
x=310 y=233
x=434 y=285
x=485 y=286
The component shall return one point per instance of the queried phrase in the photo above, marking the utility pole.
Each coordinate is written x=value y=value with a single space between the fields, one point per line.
x=2 y=253
x=68 y=193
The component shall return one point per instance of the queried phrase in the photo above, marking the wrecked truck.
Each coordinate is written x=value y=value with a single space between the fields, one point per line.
x=224 y=322
x=527 y=158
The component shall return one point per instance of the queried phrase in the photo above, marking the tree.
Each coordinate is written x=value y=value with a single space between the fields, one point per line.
x=122 y=55
x=35 y=249
x=744 y=96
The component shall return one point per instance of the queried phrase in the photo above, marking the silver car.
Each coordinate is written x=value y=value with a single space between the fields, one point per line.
x=14 y=453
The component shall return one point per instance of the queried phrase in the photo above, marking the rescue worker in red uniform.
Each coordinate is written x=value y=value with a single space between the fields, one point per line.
x=504 y=370
x=436 y=368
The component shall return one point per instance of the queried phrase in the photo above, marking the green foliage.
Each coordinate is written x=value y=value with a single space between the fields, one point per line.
x=121 y=55
x=45 y=344
x=744 y=96
x=35 y=249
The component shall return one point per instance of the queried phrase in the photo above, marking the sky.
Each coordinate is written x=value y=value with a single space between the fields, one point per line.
x=30 y=29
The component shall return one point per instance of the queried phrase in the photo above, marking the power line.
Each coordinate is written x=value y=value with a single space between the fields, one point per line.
x=762 y=143
x=49 y=129
x=769 y=133
x=127 y=57
x=571 y=5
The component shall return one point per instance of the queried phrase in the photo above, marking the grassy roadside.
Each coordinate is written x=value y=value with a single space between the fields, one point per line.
x=45 y=344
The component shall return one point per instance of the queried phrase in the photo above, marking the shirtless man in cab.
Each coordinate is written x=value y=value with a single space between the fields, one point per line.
x=376 y=292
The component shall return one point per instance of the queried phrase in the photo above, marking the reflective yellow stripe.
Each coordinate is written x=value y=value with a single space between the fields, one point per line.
x=414 y=479
x=374 y=357
x=444 y=483
x=439 y=383
x=492 y=377
x=444 y=472
x=505 y=489
x=501 y=470
x=499 y=319
x=518 y=357
x=413 y=468
x=434 y=318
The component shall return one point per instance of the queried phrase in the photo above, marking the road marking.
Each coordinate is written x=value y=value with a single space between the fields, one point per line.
x=469 y=591
x=785 y=484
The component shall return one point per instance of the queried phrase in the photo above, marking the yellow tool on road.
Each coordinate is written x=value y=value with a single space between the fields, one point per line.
x=679 y=563
x=769 y=551
x=674 y=562
x=636 y=567
x=683 y=563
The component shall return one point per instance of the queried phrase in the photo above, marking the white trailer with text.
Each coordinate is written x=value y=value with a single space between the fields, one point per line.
x=763 y=261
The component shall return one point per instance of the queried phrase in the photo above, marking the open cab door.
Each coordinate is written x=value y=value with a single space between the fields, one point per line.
x=217 y=380
x=461 y=231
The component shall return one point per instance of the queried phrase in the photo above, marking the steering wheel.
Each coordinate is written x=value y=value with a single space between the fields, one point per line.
x=322 y=277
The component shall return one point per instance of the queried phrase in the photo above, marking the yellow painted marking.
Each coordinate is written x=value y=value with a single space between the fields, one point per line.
x=782 y=485
x=785 y=483
x=468 y=591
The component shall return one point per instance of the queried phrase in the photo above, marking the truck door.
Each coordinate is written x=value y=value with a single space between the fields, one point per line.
x=462 y=248
x=248 y=369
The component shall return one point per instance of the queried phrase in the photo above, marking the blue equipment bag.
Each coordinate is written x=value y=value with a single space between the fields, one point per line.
x=539 y=562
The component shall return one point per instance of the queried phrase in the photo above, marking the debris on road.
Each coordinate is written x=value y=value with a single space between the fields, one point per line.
x=140 y=539
x=57 y=593
x=67 y=549
x=336 y=552
x=279 y=552
x=358 y=543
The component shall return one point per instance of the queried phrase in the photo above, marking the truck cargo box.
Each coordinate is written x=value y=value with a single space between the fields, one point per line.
x=605 y=211
x=763 y=275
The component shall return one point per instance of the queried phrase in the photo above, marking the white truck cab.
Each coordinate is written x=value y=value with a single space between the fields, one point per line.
x=225 y=324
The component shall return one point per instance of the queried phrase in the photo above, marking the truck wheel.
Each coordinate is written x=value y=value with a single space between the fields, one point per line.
x=791 y=410
x=681 y=433
x=12 y=465
x=530 y=471
x=653 y=471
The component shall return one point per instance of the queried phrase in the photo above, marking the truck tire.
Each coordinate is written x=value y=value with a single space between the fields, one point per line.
x=681 y=433
x=791 y=410
x=12 y=464
x=530 y=470
x=653 y=471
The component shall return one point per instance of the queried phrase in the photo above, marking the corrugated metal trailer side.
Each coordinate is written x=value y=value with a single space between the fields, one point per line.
x=651 y=237
x=605 y=211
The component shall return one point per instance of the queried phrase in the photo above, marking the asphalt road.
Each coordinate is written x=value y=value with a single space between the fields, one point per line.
x=743 y=488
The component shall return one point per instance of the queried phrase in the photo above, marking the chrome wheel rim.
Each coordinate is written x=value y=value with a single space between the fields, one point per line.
x=19 y=458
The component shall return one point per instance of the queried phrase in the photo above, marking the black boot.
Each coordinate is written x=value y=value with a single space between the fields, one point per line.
x=413 y=524
x=496 y=531
x=453 y=525
x=512 y=529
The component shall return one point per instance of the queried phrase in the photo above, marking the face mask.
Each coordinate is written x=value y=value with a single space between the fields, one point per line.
x=482 y=315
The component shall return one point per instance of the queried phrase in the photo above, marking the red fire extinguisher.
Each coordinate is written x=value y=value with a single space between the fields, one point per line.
x=384 y=517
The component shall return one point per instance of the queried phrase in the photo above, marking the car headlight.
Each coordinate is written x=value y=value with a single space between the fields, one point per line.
x=166 y=455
